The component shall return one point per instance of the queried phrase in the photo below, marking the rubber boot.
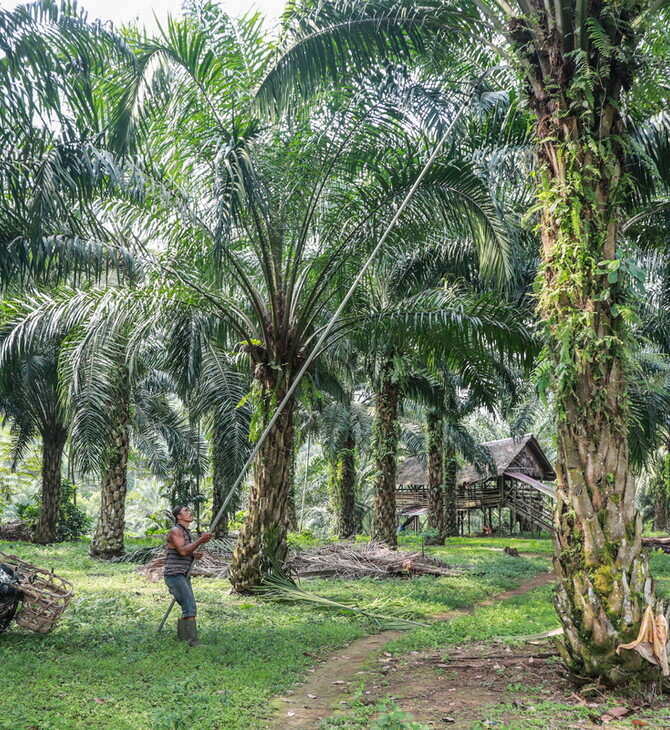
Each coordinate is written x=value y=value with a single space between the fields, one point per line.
x=182 y=624
x=191 y=632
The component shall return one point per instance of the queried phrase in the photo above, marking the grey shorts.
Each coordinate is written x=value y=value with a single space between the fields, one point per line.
x=180 y=587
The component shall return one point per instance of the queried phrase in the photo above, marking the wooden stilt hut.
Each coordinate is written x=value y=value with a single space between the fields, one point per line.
x=515 y=480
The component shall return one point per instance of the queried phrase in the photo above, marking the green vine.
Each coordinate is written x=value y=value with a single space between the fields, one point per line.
x=586 y=300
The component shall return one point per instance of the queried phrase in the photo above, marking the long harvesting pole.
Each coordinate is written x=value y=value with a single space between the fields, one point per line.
x=317 y=347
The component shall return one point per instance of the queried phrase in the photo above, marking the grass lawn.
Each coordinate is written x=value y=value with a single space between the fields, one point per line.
x=105 y=666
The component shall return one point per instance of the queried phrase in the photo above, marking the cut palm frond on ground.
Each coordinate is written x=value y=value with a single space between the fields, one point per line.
x=210 y=565
x=532 y=637
x=657 y=543
x=284 y=589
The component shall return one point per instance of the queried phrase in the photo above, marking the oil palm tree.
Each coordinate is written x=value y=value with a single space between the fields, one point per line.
x=109 y=390
x=31 y=402
x=119 y=399
x=273 y=220
x=583 y=84
x=415 y=322
x=215 y=386
x=344 y=429
x=447 y=438
x=53 y=173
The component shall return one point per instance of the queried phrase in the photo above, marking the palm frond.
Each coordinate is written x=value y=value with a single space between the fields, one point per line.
x=283 y=589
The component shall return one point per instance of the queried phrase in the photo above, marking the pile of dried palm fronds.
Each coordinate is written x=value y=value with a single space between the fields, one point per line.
x=143 y=555
x=16 y=530
x=213 y=564
x=348 y=560
x=210 y=565
x=339 y=560
x=657 y=543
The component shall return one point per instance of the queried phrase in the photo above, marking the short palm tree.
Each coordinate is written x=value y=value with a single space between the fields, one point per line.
x=344 y=427
x=30 y=400
x=109 y=388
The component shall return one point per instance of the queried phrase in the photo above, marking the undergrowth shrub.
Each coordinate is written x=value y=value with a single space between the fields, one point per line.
x=73 y=523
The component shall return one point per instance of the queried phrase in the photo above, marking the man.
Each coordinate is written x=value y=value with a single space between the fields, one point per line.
x=181 y=552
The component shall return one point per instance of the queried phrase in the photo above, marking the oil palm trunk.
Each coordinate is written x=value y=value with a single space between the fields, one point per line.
x=291 y=511
x=436 y=494
x=661 y=493
x=220 y=490
x=53 y=445
x=603 y=576
x=343 y=482
x=661 y=512
x=107 y=539
x=261 y=544
x=450 y=491
x=385 y=438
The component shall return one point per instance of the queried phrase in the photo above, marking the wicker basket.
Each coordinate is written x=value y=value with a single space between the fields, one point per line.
x=45 y=595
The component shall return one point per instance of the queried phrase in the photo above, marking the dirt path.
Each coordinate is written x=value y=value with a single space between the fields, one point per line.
x=334 y=679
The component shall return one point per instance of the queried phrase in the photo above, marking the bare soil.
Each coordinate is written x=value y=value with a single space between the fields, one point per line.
x=457 y=691
x=489 y=685
x=331 y=683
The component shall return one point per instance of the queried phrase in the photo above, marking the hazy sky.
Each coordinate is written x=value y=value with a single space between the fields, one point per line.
x=124 y=10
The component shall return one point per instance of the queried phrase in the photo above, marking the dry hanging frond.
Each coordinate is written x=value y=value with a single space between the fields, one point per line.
x=652 y=640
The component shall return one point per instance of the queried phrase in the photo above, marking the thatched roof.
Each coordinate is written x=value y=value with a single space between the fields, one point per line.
x=412 y=471
x=503 y=454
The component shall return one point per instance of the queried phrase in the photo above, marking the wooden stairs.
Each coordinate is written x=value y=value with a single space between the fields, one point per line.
x=522 y=495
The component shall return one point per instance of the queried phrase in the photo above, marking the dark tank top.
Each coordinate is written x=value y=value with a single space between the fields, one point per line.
x=176 y=564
